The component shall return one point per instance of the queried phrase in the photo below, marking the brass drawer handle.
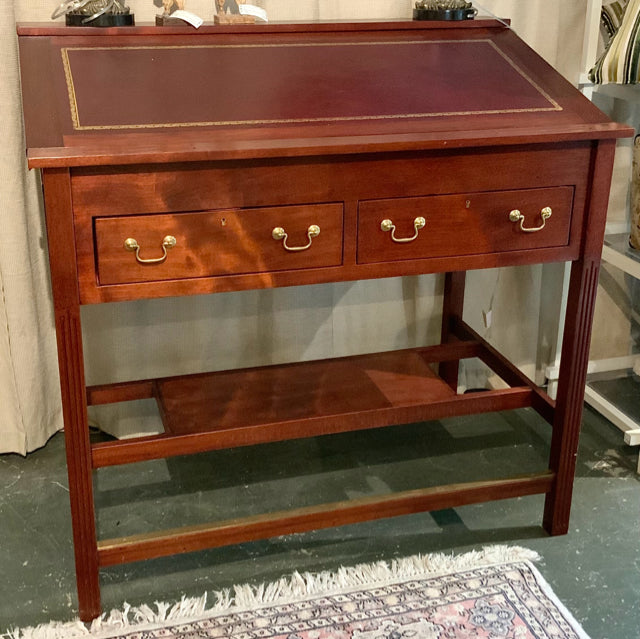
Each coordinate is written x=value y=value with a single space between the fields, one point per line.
x=516 y=216
x=279 y=234
x=388 y=225
x=168 y=242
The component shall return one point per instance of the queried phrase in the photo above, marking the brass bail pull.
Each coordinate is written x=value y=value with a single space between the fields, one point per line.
x=279 y=233
x=388 y=225
x=516 y=216
x=167 y=242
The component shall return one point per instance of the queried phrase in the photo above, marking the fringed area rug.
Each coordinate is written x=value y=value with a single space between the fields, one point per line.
x=493 y=594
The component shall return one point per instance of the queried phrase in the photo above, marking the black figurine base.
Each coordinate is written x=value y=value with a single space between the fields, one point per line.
x=105 y=20
x=444 y=14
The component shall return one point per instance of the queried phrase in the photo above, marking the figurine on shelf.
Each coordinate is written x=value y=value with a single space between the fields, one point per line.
x=228 y=12
x=443 y=10
x=95 y=13
x=174 y=15
x=435 y=5
x=169 y=6
x=227 y=6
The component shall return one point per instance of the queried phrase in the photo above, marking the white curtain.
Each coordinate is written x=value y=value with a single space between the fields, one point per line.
x=29 y=396
x=170 y=336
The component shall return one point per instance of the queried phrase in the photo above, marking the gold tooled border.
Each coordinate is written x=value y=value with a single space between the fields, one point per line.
x=75 y=115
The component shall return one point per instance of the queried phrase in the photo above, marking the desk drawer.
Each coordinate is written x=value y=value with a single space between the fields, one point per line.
x=462 y=224
x=145 y=248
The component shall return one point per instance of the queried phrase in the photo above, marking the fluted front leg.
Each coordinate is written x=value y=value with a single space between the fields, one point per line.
x=581 y=300
x=62 y=256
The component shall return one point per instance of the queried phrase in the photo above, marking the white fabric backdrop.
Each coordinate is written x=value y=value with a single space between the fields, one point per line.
x=251 y=328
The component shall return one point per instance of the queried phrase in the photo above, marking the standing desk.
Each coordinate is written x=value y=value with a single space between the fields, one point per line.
x=177 y=162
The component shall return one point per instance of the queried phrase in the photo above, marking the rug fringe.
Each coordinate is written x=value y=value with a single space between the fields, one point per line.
x=296 y=586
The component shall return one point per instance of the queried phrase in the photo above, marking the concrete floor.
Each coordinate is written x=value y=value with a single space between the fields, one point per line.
x=595 y=569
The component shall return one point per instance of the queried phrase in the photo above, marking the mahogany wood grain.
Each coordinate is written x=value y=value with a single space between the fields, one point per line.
x=297 y=392
x=213 y=243
x=202 y=186
x=66 y=299
x=463 y=224
x=180 y=540
x=146 y=389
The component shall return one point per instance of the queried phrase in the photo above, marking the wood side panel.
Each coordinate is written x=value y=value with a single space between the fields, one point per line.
x=147 y=546
x=42 y=126
x=575 y=347
x=71 y=365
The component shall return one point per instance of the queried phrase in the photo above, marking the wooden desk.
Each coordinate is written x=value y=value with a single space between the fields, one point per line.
x=182 y=163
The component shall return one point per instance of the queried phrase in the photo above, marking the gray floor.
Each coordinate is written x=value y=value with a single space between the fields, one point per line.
x=595 y=569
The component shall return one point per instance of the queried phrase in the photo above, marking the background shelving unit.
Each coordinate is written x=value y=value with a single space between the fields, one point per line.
x=613 y=384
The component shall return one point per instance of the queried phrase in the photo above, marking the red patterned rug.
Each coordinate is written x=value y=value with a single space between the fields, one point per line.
x=493 y=594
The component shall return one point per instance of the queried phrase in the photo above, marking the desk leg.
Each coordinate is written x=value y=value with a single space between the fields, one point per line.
x=573 y=374
x=581 y=299
x=62 y=256
x=452 y=306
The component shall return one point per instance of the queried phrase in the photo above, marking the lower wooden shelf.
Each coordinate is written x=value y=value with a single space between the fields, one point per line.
x=302 y=391
x=244 y=407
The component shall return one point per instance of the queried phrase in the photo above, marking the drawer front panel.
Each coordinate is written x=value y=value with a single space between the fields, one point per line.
x=463 y=224
x=146 y=248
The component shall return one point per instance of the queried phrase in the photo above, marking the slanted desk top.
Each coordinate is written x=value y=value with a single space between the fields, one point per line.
x=149 y=94
x=178 y=162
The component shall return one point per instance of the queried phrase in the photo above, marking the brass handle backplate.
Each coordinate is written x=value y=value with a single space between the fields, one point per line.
x=279 y=233
x=167 y=242
x=388 y=225
x=516 y=216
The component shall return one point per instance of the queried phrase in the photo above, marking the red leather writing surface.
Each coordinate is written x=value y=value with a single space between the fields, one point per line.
x=231 y=85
